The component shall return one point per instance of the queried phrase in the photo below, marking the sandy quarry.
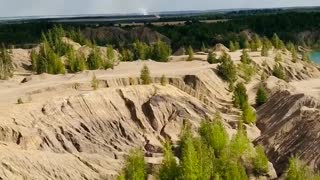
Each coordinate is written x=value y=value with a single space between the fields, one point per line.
x=63 y=118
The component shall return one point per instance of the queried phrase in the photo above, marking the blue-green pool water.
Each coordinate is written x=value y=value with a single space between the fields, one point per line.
x=315 y=57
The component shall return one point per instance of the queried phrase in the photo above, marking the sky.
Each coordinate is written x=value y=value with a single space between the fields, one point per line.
x=12 y=8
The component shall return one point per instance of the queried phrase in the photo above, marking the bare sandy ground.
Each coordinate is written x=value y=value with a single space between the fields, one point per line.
x=12 y=89
x=310 y=87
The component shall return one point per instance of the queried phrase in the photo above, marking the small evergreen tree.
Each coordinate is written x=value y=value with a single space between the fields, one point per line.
x=264 y=51
x=248 y=114
x=190 y=53
x=189 y=161
x=240 y=97
x=212 y=58
x=232 y=46
x=127 y=55
x=246 y=44
x=161 y=51
x=169 y=169
x=260 y=162
x=278 y=71
x=94 y=60
x=6 y=68
x=145 y=75
x=262 y=96
x=245 y=58
x=34 y=59
x=227 y=70
x=214 y=134
x=135 y=168
x=297 y=170
x=237 y=45
x=94 y=82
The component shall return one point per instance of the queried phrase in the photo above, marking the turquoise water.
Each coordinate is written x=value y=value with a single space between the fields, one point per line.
x=315 y=57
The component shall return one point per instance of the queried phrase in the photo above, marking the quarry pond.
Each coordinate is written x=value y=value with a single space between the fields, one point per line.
x=315 y=57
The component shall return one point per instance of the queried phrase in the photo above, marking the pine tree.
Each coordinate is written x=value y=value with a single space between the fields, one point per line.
x=212 y=58
x=237 y=45
x=264 y=51
x=6 y=68
x=145 y=75
x=190 y=53
x=94 y=60
x=127 y=55
x=278 y=71
x=260 y=162
x=240 y=97
x=169 y=169
x=140 y=50
x=246 y=44
x=215 y=135
x=227 y=70
x=245 y=58
x=135 y=168
x=161 y=51
x=262 y=96
x=231 y=46
x=248 y=114
x=110 y=58
x=189 y=161
x=34 y=59
x=94 y=82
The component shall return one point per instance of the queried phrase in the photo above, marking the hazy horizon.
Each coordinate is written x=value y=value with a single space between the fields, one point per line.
x=15 y=8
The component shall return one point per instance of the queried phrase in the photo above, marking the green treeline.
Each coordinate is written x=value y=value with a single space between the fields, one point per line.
x=52 y=48
x=194 y=33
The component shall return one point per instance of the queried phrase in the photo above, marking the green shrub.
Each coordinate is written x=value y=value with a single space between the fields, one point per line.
x=245 y=58
x=205 y=156
x=215 y=135
x=297 y=170
x=260 y=162
x=94 y=83
x=248 y=114
x=190 y=53
x=6 y=68
x=227 y=70
x=264 y=51
x=235 y=171
x=240 y=97
x=135 y=168
x=188 y=160
x=94 y=60
x=161 y=51
x=239 y=145
x=145 y=75
x=232 y=46
x=278 y=71
x=261 y=96
x=169 y=169
x=246 y=71
x=127 y=55
x=164 y=80
x=212 y=58
x=141 y=50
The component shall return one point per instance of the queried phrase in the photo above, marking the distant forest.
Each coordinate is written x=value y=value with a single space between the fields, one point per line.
x=194 y=33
